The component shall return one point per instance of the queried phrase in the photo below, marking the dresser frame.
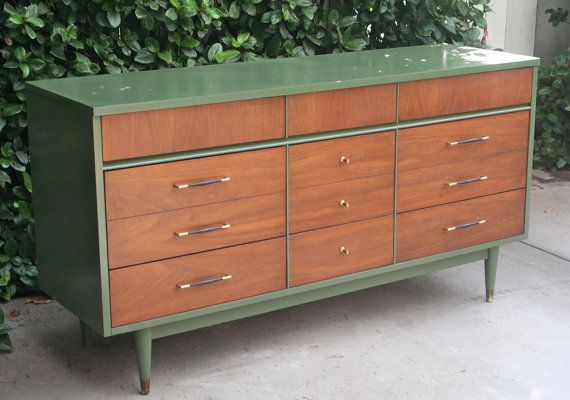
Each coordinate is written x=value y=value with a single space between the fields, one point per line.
x=69 y=200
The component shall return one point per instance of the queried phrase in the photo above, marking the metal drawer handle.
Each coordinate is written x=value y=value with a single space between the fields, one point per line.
x=467 y=225
x=345 y=203
x=466 y=141
x=345 y=160
x=204 y=282
x=344 y=250
x=470 y=180
x=201 y=183
x=203 y=230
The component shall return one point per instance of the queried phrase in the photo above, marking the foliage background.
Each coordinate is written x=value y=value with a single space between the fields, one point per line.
x=59 y=38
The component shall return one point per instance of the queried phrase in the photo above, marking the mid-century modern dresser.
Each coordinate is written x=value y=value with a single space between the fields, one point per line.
x=170 y=200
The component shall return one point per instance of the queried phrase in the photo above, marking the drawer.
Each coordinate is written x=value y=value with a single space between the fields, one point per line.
x=157 y=236
x=340 y=250
x=465 y=93
x=153 y=290
x=171 y=130
x=339 y=203
x=153 y=188
x=341 y=109
x=425 y=187
x=437 y=144
x=337 y=160
x=425 y=232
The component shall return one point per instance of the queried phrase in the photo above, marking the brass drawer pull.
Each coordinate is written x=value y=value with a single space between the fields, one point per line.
x=345 y=160
x=467 y=225
x=203 y=230
x=201 y=183
x=466 y=141
x=204 y=282
x=344 y=250
x=470 y=180
x=345 y=203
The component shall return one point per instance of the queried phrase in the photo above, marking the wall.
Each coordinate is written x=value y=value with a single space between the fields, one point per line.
x=512 y=25
x=550 y=41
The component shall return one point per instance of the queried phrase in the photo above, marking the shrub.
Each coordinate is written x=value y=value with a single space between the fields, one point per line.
x=5 y=343
x=58 y=38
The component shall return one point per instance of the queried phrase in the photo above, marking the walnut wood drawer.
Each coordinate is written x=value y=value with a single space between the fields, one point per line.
x=425 y=232
x=143 y=190
x=341 y=109
x=162 y=235
x=437 y=144
x=172 y=130
x=425 y=187
x=465 y=93
x=337 y=160
x=152 y=290
x=340 y=250
x=337 y=203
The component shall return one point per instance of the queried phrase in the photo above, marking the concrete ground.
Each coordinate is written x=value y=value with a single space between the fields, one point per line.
x=431 y=337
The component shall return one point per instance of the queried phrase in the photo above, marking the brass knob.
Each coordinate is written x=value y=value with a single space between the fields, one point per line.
x=344 y=250
x=344 y=160
x=344 y=203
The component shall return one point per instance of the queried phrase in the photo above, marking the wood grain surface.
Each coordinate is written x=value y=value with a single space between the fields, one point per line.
x=316 y=255
x=465 y=93
x=421 y=233
x=148 y=291
x=172 y=130
x=152 y=237
x=341 y=109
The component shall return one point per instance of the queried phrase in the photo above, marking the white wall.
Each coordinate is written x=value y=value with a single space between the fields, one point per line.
x=512 y=25
x=550 y=41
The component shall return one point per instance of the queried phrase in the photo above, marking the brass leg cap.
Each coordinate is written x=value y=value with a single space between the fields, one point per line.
x=145 y=386
x=489 y=296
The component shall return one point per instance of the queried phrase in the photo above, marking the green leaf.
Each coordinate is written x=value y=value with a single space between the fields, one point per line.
x=215 y=49
x=25 y=69
x=12 y=109
x=16 y=19
x=4 y=177
x=27 y=181
x=20 y=53
x=165 y=56
x=152 y=44
x=175 y=3
x=347 y=21
x=171 y=14
x=242 y=37
x=226 y=55
x=189 y=43
x=31 y=33
x=141 y=13
x=38 y=23
x=145 y=57
x=114 y=18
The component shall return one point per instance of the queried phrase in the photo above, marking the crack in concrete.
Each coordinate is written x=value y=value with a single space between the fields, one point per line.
x=546 y=251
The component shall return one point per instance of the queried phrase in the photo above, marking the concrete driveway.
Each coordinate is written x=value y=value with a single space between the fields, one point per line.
x=431 y=337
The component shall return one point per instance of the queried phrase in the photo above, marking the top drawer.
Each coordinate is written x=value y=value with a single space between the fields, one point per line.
x=154 y=188
x=465 y=93
x=172 y=130
x=333 y=110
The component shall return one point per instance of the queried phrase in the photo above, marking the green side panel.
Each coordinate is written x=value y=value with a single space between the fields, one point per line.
x=65 y=206
x=318 y=293
x=530 y=152
x=166 y=88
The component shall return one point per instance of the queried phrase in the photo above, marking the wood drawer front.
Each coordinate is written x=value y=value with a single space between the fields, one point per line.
x=341 y=109
x=465 y=93
x=316 y=255
x=171 y=130
x=430 y=145
x=143 y=190
x=152 y=237
x=150 y=290
x=428 y=187
x=319 y=163
x=422 y=233
x=339 y=203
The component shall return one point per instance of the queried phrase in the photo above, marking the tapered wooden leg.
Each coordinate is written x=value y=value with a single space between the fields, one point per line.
x=143 y=341
x=491 y=272
x=84 y=329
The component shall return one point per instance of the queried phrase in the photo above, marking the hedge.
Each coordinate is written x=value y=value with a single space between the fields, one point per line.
x=62 y=38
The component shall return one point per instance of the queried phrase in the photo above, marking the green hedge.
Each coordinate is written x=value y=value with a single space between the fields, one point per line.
x=60 y=38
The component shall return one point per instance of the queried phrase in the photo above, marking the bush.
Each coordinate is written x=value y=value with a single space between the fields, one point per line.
x=5 y=343
x=59 y=38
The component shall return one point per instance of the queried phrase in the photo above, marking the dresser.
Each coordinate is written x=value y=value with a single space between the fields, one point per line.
x=167 y=201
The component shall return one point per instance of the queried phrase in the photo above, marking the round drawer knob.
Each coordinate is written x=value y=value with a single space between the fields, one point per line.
x=344 y=250
x=344 y=160
x=344 y=203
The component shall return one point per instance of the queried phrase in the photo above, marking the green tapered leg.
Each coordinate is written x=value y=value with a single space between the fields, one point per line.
x=143 y=341
x=491 y=272
x=84 y=333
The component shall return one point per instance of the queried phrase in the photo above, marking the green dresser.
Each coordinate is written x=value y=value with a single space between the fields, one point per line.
x=170 y=200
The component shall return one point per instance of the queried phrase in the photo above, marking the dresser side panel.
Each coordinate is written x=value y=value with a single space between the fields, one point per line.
x=64 y=202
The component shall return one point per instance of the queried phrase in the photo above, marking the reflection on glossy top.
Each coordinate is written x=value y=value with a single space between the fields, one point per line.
x=137 y=91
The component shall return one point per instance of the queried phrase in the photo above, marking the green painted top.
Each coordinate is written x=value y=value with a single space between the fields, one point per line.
x=140 y=91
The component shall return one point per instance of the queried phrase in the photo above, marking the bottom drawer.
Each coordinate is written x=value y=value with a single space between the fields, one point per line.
x=180 y=284
x=317 y=255
x=465 y=223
